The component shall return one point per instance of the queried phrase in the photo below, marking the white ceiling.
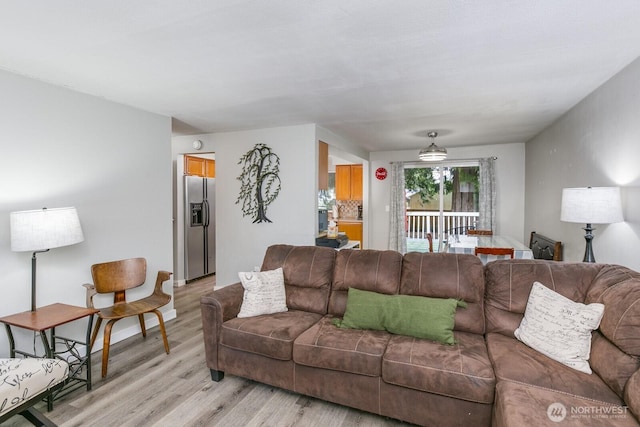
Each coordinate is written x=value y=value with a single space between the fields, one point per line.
x=379 y=72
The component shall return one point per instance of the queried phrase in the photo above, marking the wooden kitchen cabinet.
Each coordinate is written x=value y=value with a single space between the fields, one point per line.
x=356 y=182
x=352 y=229
x=210 y=168
x=199 y=166
x=323 y=166
x=349 y=182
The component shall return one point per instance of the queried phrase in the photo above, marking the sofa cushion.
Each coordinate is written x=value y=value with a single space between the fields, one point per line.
x=270 y=335
x=368 y=270
x=558 y=327
x=445 y=275
x=462 y=371
x=514 y=361
x=308 y=271
x=420 y=317
x=355 y=351
x=520 y=404
x=508 y=284
x=263 y=293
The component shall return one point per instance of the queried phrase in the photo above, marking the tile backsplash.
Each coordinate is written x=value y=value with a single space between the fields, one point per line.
x=348 y=209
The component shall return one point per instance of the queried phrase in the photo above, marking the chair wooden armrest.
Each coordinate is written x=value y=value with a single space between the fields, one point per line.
x=91 y=291
x=162 y=277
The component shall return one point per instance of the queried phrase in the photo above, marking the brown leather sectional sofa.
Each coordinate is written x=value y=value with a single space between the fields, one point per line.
x=487 y=378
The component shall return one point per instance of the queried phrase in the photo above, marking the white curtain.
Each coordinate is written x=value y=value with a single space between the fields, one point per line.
x=397 y=232
x=487 y=208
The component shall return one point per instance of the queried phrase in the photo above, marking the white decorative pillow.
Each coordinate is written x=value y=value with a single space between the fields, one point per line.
x=558 y=327
x=263 y=293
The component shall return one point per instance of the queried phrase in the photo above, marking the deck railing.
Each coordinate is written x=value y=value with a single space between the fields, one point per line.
x=419 y=223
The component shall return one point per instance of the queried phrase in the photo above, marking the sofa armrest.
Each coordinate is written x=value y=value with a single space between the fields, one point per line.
x=632 y=393
x=217 y=307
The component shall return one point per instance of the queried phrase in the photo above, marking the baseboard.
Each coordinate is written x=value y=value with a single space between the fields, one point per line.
x=178 y=283
x=150 y=322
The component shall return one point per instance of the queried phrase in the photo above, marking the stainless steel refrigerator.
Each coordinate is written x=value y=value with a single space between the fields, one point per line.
x=200 y=227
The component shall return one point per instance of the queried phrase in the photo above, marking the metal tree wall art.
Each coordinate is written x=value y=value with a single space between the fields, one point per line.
x=259 y=182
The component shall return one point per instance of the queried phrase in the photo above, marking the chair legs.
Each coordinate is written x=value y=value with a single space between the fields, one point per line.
x=107 y=336
x=142 y=326
x=106 y=342
x=162 y=330
x=95 y=332
x=105 y=346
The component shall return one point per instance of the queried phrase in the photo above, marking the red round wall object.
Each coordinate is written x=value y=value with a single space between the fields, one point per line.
x=381 y=173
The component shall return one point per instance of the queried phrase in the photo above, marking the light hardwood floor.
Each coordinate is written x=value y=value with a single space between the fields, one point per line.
x=146 y=387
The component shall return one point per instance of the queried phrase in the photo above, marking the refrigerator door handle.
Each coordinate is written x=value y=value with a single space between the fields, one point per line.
x=205 y=208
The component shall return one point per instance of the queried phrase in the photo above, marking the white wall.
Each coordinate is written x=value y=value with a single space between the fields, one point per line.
x=597 y=143
x=240 y=244
x=112 y=162
x=509 y=168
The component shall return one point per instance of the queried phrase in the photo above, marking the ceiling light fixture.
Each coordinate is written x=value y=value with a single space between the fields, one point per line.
x=433 y=153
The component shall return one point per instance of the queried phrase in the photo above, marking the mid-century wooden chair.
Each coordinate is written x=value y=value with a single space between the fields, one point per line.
x=117 y=277
x=480 y=232
x=492 y=254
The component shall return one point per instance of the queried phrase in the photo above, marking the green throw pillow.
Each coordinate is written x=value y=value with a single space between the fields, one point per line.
x=420 y=317
x=365 y=310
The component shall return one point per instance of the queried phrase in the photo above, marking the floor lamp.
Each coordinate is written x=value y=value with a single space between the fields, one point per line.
x=591 y=205
x=43 y=229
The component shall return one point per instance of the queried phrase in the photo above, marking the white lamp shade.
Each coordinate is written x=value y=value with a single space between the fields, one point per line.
x=591 y=205
x=43 y=229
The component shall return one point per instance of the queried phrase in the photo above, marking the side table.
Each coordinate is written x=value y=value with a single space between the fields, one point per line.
x=46 y=319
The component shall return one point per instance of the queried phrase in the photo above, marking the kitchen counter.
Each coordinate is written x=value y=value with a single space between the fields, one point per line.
x=352 y=244
x=352 y=228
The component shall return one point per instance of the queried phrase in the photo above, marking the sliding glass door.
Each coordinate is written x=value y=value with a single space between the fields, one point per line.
x=442 y=199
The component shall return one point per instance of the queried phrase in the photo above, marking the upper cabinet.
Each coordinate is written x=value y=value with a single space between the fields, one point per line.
x=349 y=182
x=356 y=182
x=199 y=166
x=323 y=166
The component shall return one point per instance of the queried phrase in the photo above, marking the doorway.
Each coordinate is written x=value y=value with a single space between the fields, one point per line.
x=201 y=228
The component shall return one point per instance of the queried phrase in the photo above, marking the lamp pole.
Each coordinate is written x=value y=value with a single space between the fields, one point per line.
x=33 y=279
x=588 y=250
